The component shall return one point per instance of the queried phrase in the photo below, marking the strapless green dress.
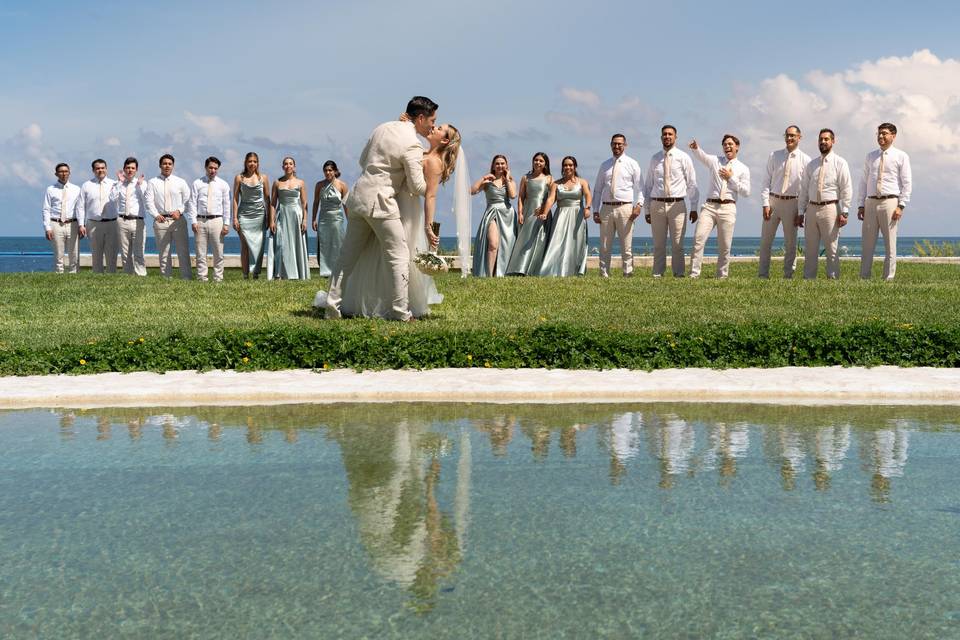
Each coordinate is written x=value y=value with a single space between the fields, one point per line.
x=531 y=242
x=289 y=243
x=330 y=229
x=500 y=213
x=252 y=214
x=566 y=253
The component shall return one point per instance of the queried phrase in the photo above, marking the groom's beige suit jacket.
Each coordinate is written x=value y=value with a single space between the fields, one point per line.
x=392 y=161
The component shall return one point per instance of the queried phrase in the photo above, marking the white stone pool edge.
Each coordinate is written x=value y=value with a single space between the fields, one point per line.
x=788 y=385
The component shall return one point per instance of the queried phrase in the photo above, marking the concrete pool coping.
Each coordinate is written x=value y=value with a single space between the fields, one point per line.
x=787 y=385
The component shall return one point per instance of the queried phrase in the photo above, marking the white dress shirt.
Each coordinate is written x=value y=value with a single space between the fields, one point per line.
x=683 y=178
x=166 y=195
x=629 y=187
x=794 y=163
x=837 y=184
x=95 y=200
x=897 y=178
x=129 y=198
x=211 y=198
x=60 y=202
x=737 y=186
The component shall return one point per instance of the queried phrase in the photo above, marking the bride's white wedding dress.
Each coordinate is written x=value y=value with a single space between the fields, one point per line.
x=367 y=292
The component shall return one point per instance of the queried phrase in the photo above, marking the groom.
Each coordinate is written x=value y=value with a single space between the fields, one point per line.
x=393 y=156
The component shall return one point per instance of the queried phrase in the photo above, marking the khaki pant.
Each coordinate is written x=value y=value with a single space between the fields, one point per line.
x=65 y=241
x=723 y=217
x=616 y=220
x=103 y=236
x=132 y=239
x=388 y=232
x=878 y=218
x=208 y=236
x=781 y=212
x=174 y=231
x=668 y=218
x=820 y=223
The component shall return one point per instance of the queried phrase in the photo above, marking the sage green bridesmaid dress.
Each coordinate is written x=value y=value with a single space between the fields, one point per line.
x=289 y=243
x=500 y=213
x=330 y=229
x=531 y=242
x=566 y=253
x=252 y=212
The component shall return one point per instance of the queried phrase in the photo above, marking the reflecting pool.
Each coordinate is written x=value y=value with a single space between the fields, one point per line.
x=460 y=521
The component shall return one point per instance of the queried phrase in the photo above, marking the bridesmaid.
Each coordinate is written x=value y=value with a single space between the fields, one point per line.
x=328 y=197
x=288 y=223
x=250 y=190
x=567 y=245
x=495 y=236
x=531 y=242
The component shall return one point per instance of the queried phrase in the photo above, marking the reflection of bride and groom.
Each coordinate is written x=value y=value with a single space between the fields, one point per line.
x=387 y=226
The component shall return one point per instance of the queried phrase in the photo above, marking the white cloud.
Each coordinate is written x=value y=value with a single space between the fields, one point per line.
x=577 y=96
x=918 y=93
x=586 y=114
x=212 y=126
x=32 y=160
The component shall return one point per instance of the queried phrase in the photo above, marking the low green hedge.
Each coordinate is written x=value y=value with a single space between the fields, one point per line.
x=549 y=345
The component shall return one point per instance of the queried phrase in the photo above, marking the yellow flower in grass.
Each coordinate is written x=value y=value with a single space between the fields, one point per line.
x=82 y=361
x=325 y=366
x=129 y=341
x=248 y=344
x=245 y=360
x=486 y=364
x=469 y=358
x=140 y=339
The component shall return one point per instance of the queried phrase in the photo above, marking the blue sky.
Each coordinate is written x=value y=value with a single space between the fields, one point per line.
x=311 y=79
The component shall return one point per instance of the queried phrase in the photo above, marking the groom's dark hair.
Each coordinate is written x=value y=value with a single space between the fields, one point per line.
x=421 y=106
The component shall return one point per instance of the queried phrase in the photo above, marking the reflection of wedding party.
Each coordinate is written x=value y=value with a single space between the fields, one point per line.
x=378 y=241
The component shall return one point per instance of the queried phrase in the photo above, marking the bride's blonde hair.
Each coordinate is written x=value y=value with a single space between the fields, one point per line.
x=448 y=154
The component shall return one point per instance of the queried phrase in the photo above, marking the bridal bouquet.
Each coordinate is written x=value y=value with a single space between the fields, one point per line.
x=430 y=263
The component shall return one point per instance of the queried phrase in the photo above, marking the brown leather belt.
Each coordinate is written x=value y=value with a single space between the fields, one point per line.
x=63 y=222
x=779 y=197
x=207 y=217
x=824 y=203
x=719 y=201
x=668 y=200
x=883 y=197
x=132 y=217
x=616 y=203
x=104 y=220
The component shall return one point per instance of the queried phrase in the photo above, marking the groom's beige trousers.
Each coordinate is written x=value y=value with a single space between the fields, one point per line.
x=389 y=233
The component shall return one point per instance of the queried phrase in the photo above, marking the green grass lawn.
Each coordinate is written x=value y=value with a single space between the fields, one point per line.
x=42 y=312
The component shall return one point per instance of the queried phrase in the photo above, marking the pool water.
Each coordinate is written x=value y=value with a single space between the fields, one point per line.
x=486 y=521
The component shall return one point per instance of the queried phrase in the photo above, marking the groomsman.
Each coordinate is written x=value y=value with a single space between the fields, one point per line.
x=825 y=192
x=100 y=217
x=211 y=206
x=63 y=219
x=130 y=199
x=619 y=189
x=785 y=169
x=671 y=181
x=168 y=203
x=885 y=188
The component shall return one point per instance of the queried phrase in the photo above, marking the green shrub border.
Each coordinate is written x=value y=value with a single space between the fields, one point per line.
x=550 y=345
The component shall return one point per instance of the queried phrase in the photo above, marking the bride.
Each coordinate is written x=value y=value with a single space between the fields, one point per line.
x=363 y=290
